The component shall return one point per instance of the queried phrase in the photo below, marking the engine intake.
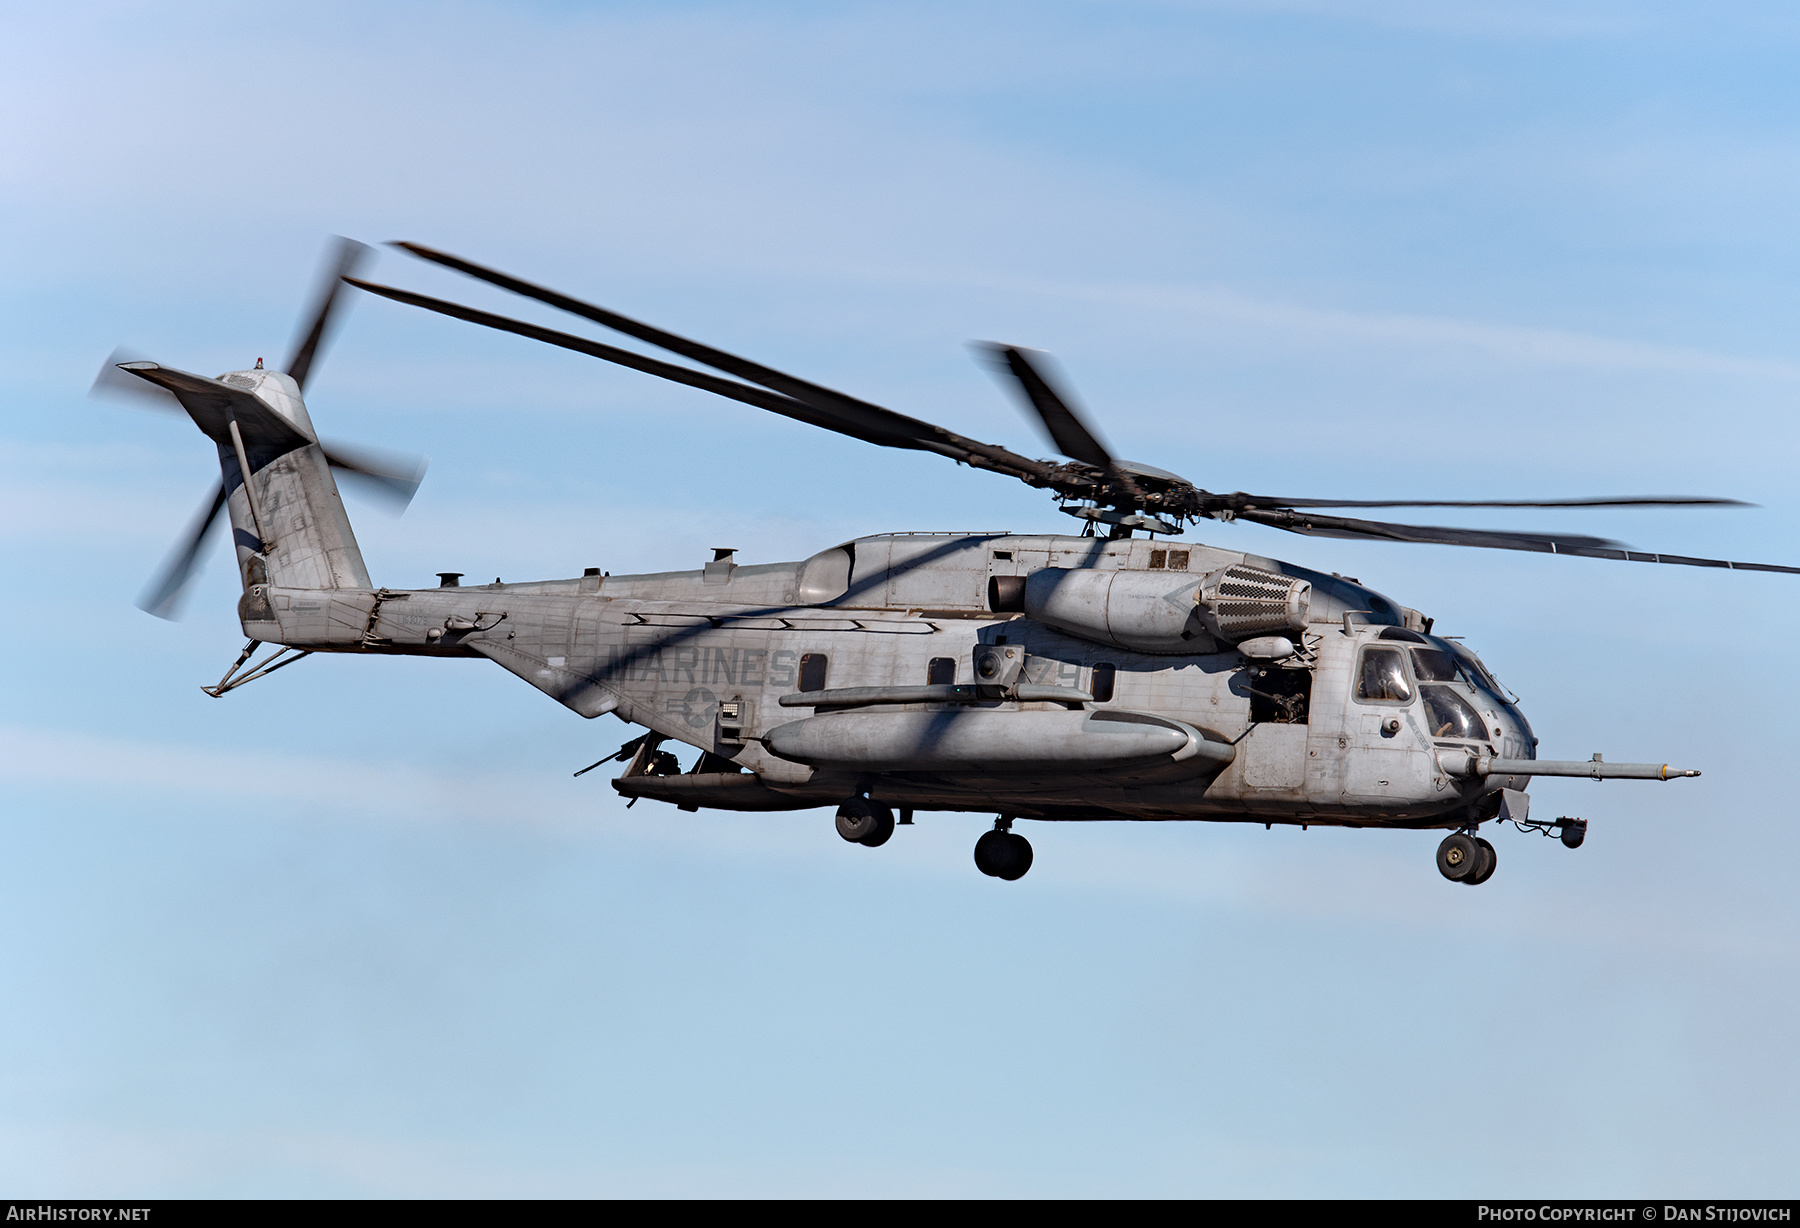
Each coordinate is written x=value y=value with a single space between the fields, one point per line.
x=1153 y=611
x=1240 y=602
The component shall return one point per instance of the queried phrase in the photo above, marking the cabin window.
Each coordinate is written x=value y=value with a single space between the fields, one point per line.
x=1105 y=674
x=941 y=671
x=1159 y=559
x=1178 y=560
x=1382 y=677
x=812 y=671
x=1450 y=715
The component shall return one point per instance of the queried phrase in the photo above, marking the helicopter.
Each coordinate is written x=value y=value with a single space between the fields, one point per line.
x=1050 y=677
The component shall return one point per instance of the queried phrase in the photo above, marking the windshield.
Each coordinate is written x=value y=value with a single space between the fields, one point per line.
x=1450 y=715
x=1442 y=665
x=1454 y=663
x=1478 y=673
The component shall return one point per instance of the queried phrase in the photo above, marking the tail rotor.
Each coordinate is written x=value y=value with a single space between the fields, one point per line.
x=391 y=476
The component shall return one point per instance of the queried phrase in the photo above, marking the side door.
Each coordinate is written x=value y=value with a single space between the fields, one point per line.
x=1380 y=759
x=1274 y=749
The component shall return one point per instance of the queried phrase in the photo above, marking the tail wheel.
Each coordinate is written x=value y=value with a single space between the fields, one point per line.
x=1458 y=857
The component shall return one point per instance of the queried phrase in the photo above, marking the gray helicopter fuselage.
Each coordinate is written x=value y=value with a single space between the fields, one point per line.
x=878 y=649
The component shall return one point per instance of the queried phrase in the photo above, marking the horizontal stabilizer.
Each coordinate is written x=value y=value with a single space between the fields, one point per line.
x=213 y=403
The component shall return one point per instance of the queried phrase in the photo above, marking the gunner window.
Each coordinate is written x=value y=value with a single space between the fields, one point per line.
x=1279 y=695
x=1382 y=677
x=1450 y=715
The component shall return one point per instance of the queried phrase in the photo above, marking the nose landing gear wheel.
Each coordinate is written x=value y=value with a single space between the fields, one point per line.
x=1484 y=870
x=1003 y=854
x=1458 y=858
x=861 y=821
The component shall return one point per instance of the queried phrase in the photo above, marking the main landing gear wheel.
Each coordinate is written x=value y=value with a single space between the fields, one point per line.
x=861 y=821
x=1459 y=858
x=1484 y=870
x=1003 y=854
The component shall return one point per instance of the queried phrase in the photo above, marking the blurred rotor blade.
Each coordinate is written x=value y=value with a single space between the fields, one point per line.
x=1542 y=543
x=852 y=410
x=116 y=385
x=1343 y=526
x=393 y=475
x=163 y=597
x=845 y=415
x=1066 y=429
x=1240 y=499
x=343 y=261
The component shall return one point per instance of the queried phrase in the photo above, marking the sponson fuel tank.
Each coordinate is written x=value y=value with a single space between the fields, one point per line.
x=991 y=740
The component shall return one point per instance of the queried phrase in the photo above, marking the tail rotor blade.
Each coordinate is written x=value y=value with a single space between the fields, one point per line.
x=113 y=384
x=345 y=259
x=393 y=475
x=163 y=597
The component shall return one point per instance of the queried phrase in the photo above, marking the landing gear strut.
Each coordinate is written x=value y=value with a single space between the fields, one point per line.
x=1003 y=853
x=861 y=821
x=1467 y=858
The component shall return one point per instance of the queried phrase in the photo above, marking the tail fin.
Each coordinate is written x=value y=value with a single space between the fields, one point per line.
x=288 y=523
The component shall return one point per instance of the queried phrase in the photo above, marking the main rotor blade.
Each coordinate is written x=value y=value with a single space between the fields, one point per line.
x=1240 y=499
x=869 y=423
x=393 y=475
x=732 y=364
x=1541 y=543
x=344 y=260
x=163 y=597
x=1343 y=526
x=1070 y=434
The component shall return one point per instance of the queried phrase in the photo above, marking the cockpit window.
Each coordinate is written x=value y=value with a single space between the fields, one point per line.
x=1476 y=671
x=1435 y=665
x=1382 y=677
x=1446 y=665
x=1450 y=716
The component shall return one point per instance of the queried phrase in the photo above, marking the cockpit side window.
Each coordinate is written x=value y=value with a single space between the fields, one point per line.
x=1381 y=677
x=1450 y=716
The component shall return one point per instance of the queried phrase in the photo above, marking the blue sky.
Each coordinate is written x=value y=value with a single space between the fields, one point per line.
x=355 y=929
